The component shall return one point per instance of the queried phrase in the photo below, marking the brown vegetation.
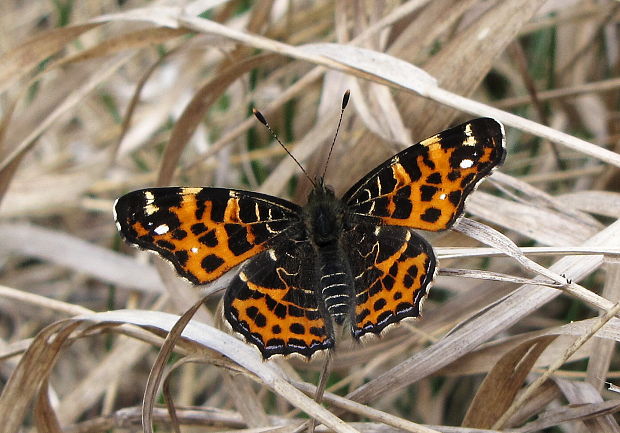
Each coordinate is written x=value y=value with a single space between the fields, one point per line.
x=100 y=99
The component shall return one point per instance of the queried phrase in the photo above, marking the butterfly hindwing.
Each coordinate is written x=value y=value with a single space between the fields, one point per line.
x=203 y=232
x=393 y=269
x=425 y=186
x=273 y=304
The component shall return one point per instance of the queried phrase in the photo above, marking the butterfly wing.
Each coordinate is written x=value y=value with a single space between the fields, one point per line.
x=203 y=232
x=425 y=186
x=273 y=304
x=393 y=269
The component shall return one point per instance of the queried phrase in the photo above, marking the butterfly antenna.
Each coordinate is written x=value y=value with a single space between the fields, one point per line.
x=262 y=120
x=345 y=101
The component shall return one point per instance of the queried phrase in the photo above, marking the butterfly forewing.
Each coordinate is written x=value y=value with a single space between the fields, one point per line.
x=425 y=186
x=203 y=232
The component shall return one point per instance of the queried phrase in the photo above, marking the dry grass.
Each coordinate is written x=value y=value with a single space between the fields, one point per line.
x=98 y=100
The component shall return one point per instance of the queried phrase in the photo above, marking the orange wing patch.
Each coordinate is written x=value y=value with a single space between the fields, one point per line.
x=203 y=232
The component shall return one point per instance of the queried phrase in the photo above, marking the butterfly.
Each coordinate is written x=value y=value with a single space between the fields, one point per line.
x=300 y=271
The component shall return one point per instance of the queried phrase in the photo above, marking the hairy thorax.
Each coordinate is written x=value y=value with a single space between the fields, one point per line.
x=324 y=217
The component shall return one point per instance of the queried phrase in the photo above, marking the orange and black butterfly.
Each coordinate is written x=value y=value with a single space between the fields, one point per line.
x=301 y=270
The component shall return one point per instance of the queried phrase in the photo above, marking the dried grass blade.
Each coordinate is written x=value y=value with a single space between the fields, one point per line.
x=134 y=102
x=487 y=235
x=193 y=114
x=583 y=393
x=492 y=237
x=375 y=66
x=120 y=360
x=597 y=202
x=494 y=276
x=128 y=41
x=603 y=351
x=555 y=417
x=531 y=389
x=45 y=416
x=15 y=62
x=81 y=90
x=469 y=55
x=463 y=252
x=31 y=372
x=536 y=222
x=356 y=62
x=366 y=411
x=246 y=401
x=473 y=107
x=485 y=357
x=80 y=256
x=501 y=385
x=42 y=301
x=234 y=349
x=157 y=370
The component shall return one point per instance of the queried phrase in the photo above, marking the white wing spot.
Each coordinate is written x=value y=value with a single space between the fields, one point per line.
x=243 y=277
x=442 y=197
x=194 y=250
x=466 y=163
x=162 y=229
x=377 y=230
x=272 y=255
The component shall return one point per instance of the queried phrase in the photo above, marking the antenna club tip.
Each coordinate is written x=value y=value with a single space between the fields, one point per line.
x=259 y=116
x=345 y=98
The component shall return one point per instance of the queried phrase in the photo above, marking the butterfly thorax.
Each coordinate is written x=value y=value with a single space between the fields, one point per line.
x=324 y=217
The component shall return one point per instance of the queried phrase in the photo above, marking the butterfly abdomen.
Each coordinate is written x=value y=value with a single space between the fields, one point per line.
x=335 y=283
